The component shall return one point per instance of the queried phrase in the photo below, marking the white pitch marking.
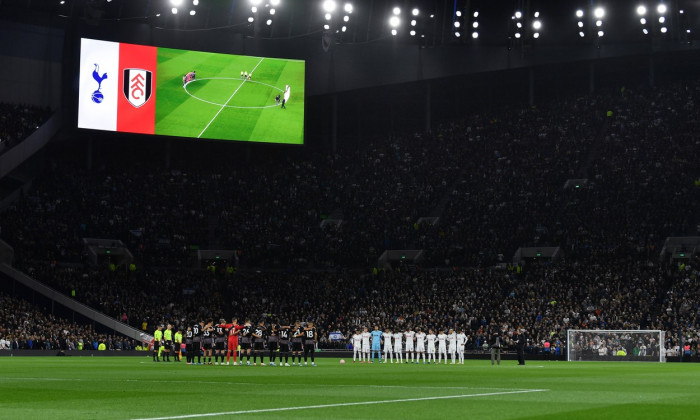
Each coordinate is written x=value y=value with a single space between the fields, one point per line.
x=308 y=407
x=229 y=100
x=231 y=106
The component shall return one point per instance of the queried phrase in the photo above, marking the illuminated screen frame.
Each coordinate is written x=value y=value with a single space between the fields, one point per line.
x=194 y=94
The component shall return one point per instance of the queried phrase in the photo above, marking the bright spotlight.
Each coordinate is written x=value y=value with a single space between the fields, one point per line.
x=413 y=22
x=661 y=8
x=393 y=32
x=346 y=18
x=328 y=16
x=475 y=35
x=255 y=2
x=176 y=2
x=476 y=14
x=329 y=5
x=254 y=9
x=537 y=14
x=599 y=23
x=475 y=25
x=519 y=25
x=413 y=33
x=687 y=31
x=174 y=10
x=641 y=10
x=600 y=34
x=580 y=24
x=457 y=24
x=681 y=11
x=662 y=19
x=518 y=14
x=415 y=12
x=643 y=21
x=269 y=22
x=537 y=25
x=397 y=10
x=517 y=35
x=251 y=19
x=536 y=35
x=394 y=21
x=348 y=8
x=272 y=11
x=192 y=13
x=326 y=27
x=599 y=12
x=581 y=34
x=663 y=30
x=457 y=34
x=646 y=31
x=196 y=2
x=458 y=13
x=579 y=13
x=275 y=2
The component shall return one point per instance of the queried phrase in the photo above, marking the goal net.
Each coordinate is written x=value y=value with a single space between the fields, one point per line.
x=615 y=345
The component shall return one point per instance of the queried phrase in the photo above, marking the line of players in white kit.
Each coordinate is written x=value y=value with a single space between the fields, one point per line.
x=417 y=345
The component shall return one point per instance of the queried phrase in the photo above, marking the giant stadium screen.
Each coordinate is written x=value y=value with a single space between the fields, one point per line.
x=151 y=90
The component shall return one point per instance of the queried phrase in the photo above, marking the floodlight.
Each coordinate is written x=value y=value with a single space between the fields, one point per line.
x=415 y=12
x=537 y=24
x=174 y=10
x=681 y=11
x=476 y=14
x=580 y=24
x=663 y=29
x=599 y=23
x=519 y=25
x=599 y=12
x=344 y=28
x=192 y=12
x=458 y=13
x=329 y=5
x=457 y=34
x=328 y=16
x=346 y=18
x=195 y=2
x=643 y=21
x=687 y=31
x=601 y=33
x=413 y=33
x=273 y=2
x=457 y=24
x=394 y=21
x=393 y=32
x=646 y=31
x=641 y=10
x=518 y=14
x=475 y=35
x=255 y=2
x=269 y=22
x=536 y=35
x=537 y=14
x=661 y=8
x=176 y=2
x=662 y=19
x=254 y=9
x=272 y=11
x=326 y=27
x=413 y=22
x=348 y=8
x=251 y=19
x=581 y=34
x=579 y=13
x=475 y=25
x=517 y=35
x=397 y=10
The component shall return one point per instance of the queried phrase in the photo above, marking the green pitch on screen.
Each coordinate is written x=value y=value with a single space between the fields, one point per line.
x=221 y=105
x=134 y=387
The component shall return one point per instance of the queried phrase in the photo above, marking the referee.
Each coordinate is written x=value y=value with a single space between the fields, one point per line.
x=157 y=338
x=168 y=337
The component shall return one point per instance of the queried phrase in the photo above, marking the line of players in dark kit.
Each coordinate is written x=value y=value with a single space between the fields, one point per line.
x=204 y=340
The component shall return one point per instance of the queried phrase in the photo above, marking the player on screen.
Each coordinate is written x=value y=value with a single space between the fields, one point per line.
x=430 y=339
x=285 y=98
x=461 y=343
x=189 y=77
x=442 y=346
x=420 y=344
x=377 y=343
x=356 y=346
x=365 y=345
x=398 y=347
x=388 y=348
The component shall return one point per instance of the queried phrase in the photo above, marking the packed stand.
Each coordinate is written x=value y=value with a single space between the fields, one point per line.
x=17 y=122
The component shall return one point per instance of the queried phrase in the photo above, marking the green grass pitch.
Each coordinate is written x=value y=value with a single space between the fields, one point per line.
x=220 y=105
x=135 y=387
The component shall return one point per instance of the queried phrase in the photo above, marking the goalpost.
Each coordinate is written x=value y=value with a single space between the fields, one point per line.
x=615 y=345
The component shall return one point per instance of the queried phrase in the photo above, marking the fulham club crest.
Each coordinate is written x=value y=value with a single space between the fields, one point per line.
x=137 y=86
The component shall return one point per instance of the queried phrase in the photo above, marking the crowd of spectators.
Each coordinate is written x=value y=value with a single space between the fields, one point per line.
x=18 y=121
x=495 y=180
x=24 y=326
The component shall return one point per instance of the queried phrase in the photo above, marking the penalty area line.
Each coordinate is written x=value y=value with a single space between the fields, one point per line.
x=228 y=100
x=309 y=407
